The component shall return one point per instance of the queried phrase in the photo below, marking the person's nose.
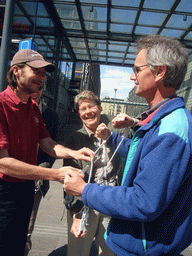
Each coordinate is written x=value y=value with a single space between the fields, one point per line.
x=133 y=76
x=88 y=110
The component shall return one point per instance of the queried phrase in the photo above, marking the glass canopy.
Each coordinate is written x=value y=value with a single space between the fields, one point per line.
x=100 y=31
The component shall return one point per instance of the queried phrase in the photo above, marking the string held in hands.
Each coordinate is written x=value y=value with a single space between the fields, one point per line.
x=85 y=210
x=84 y=213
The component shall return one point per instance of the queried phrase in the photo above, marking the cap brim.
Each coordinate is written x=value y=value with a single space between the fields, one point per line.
x=49 y=67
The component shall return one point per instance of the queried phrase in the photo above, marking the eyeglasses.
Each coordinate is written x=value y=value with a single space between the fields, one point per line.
x=136 y=69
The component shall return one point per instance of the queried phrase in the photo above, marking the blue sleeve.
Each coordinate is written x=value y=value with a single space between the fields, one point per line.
x=158 y=175
x=114 y=141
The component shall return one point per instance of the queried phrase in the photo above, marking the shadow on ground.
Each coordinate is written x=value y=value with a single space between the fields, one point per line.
x=60 y=251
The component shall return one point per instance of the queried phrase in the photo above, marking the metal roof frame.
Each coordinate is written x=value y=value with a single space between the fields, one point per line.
x=88 y=28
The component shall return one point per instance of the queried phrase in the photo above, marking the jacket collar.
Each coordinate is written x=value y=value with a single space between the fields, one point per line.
x=159 y=111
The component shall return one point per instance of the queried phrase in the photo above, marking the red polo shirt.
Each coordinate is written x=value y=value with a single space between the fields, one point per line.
x=21 y=128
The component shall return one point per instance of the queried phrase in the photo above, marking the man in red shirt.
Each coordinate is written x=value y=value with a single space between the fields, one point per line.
x=21 y=130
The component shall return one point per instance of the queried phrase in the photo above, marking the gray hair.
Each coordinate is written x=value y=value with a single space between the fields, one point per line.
x=166 y=51
x=86 y=95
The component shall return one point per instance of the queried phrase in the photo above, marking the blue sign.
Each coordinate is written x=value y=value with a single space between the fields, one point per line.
x=28 y=44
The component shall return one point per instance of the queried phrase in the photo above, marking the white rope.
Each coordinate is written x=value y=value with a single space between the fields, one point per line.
x=124 y=135
x=85 y=210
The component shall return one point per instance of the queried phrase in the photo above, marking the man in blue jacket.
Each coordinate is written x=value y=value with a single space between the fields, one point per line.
x=151 y=210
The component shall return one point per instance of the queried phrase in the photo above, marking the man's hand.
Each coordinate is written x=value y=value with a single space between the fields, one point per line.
x=122 y=121
x=102 y=131
x=74 y=184
x=75 y=227
x=68 y=170
x=85 y=154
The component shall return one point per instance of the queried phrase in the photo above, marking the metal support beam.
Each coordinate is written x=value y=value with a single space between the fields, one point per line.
x=55 y=79
x=6 y=42
x=127 y=103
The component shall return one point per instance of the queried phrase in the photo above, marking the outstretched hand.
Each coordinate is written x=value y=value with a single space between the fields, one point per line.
x=102 y=132
x=123 y=120
x=63 y=171
x=85 y=154
x=74 y=184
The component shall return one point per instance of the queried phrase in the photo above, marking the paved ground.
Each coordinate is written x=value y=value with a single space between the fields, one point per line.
x=50 y=234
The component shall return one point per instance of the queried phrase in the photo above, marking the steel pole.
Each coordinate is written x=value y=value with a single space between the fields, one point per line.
x=6 y=42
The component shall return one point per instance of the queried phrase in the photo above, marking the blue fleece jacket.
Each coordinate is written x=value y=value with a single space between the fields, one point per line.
x=151 y=211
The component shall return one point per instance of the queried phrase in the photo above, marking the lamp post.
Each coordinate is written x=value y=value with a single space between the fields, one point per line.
x=114 y=102
x=115 y=92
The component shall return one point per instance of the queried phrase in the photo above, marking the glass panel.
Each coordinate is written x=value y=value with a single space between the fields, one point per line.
x=51 y=41
x=30 y=7
x=132 y=3
x=91 y=25
x=93 y=43
x=116 y=54
x=185 y=6
x=95 y=58
x=78 y=66
x=112 y=60
x=120 y=15
x=131 y=56
x=119 y=43
x=77 y=42
x=94 y=1
x=39 y=41
x=156 y=4
x=99 y=53
x=48 y=55
x=17 y=10
x=82 y=57
x=67 y=11
x=41 y=10
x=151 y=18
x=102 y=46
x=21 y=23
x=98 y=26
x=43 y=22
x=145 y=30
x=65 y=1
x=189 y=36
x=132 y=48
x=94 y=13
x=71 y=24
x=42 y=48
x=121 y=28
x=177 y=21
x=171 y=33
x=101 y=59
x=80 y=51
x=113 y=47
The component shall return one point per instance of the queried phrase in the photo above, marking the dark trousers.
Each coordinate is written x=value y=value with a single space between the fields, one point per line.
x=16 y=202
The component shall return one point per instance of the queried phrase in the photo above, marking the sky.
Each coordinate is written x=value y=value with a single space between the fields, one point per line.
x=113 y=77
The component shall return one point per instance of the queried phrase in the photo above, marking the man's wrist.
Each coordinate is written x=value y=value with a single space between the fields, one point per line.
x=134 y=122
x=77 y=215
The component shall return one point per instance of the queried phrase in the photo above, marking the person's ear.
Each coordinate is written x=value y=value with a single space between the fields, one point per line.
x=160 y=73
x=16 y=70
